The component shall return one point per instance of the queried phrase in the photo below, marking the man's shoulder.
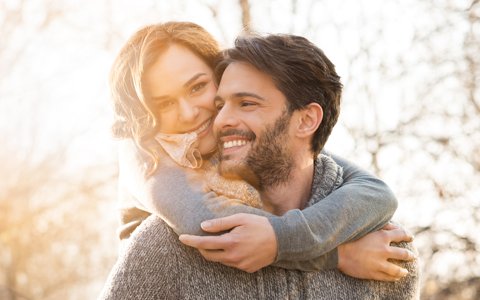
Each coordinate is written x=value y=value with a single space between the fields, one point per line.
x=327 y=177
x=152 y=233
x=155 y=262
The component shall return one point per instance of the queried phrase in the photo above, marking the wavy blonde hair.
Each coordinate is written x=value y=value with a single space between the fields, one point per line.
x=135 y=116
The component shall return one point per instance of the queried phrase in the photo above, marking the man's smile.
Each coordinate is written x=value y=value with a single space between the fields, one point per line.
x=235 y=143
x=234 y=140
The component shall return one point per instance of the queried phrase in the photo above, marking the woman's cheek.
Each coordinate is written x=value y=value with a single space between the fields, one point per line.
x=208 y=143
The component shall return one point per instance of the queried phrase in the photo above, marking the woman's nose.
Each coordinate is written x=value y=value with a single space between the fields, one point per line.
x=188 y=111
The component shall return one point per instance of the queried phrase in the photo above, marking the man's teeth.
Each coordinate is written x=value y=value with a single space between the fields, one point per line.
x=231 y=144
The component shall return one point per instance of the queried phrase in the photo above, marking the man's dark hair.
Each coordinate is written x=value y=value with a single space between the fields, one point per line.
x=299 y=69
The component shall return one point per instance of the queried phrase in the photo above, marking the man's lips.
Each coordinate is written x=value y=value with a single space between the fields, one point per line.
x=232 y=139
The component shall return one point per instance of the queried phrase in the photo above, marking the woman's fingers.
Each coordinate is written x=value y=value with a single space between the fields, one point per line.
x=399 y=235
x=393 y=271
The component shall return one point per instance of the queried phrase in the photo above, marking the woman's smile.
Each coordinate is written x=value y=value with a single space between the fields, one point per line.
x=204 y=128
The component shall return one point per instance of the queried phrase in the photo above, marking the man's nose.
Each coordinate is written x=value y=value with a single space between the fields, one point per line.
x=188 y=111
x=226 y=117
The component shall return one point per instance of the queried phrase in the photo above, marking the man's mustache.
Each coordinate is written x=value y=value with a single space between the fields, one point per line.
x=243 y=133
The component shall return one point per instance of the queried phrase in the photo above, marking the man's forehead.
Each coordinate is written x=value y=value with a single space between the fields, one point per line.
x=242 y=77
x=235 y=69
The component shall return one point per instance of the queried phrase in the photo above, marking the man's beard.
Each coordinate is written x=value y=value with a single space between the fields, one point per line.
x=269 y=162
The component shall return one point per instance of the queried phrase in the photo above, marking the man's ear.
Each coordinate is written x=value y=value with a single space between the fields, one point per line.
x=309 y=119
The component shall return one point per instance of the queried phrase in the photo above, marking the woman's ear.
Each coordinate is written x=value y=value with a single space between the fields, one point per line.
x=309 y=119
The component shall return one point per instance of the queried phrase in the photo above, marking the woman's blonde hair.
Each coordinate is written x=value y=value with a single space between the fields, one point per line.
x=135 y=116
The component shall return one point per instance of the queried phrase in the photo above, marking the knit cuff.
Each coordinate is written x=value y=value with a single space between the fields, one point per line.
x=296 y=245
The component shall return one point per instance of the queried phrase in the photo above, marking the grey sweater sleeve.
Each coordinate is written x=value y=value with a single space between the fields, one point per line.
x=174 y=193
x=361 y=205
x=306 y=239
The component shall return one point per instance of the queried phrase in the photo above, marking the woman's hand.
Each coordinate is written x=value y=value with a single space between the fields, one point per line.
x=249 y=245
x=368 y=257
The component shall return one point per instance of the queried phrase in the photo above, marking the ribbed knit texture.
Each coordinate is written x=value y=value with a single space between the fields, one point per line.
x=155 y=265
x=307 y=239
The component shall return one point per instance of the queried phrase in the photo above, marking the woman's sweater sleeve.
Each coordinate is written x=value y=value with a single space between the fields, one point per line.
x=307 y=239
x=174 y=193
x=362 y=204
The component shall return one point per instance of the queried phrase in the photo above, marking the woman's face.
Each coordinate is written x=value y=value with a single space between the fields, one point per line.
x=181 y=88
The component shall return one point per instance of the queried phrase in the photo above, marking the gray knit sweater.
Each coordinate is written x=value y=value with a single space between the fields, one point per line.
x=306 y=238
x=155 y=265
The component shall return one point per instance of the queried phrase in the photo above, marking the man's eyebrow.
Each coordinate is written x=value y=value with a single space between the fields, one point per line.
x=247 y=94
x=185 y=85
x=240 y=95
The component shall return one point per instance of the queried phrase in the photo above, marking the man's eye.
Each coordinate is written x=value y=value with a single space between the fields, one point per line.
x=247 y=103
x=197 y=87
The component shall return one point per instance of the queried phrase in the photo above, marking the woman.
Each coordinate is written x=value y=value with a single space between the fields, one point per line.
x=163 y=88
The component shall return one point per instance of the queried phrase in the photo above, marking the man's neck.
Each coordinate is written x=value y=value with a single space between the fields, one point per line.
x=292 y=194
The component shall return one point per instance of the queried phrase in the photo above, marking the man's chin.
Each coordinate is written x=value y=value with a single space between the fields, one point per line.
x=237 y=170
x=229 y=168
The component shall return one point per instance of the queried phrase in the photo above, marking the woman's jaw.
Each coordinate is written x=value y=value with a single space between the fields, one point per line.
x=207 y=143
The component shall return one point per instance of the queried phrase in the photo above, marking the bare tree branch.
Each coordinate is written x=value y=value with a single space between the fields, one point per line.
x=246 y=19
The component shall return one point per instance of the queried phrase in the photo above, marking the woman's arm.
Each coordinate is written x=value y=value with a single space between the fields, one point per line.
x=362 y=204
x=169 y=194
x=306 y=240
x=174 y=193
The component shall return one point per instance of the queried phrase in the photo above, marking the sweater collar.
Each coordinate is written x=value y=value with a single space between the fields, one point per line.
x=182 y=148
x=327 y=177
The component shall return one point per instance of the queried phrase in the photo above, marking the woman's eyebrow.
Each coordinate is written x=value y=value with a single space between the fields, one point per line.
x=195 y=77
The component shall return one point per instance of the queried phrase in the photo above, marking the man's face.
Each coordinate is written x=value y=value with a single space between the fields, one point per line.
x=252 y=127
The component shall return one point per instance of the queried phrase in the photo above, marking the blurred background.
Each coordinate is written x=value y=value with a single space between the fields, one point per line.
x=410 y=114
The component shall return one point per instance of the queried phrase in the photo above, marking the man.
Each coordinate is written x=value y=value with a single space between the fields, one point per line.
x=260 y=96
x=271 y=127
